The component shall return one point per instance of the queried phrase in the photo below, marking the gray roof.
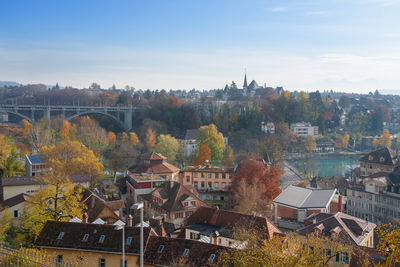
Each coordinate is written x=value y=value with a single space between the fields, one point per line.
x=303 y=198
x=192 y=134
x=36 y=158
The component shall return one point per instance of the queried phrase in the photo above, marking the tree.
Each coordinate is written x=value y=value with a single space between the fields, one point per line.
x=150 y=139
x=67 y=131
x=119 y=158
x=91 y=134
x=111 y=138
x=5 y=224
x=167 y=146
x=40 y=135
x=375 y=142
x=134 y=139
x=307 y=143
x=203 y=156
x=71 y=157
x=215 y=141
x=9 y=160
x=229 y=158
x=389 y=242
x=386 y=138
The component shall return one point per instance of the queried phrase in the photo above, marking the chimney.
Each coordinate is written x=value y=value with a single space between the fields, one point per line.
x=85 y=218
x=340 y=203
x=130 y=221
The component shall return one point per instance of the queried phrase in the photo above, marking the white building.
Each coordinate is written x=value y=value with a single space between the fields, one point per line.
x=304 y=129
x=268 y=128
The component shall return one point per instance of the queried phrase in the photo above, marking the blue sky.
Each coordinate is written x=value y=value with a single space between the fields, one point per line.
x=351 y=45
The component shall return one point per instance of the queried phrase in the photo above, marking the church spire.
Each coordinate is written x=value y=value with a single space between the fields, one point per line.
x=245 y=81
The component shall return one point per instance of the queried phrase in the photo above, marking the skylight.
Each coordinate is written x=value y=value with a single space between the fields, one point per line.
x=160 y=248
x=185 y=252
x=212 y=257
x=101 y=239
x=60 y=235
x=85 y=237
x=129 y=240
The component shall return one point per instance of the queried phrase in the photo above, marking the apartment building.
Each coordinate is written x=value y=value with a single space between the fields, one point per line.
x=304 y=129
x=381 y=160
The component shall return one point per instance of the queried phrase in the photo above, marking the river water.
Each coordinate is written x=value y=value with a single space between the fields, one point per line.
x=326 y=165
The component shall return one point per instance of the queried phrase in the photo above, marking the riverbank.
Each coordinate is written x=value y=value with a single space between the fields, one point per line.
x=290 y=156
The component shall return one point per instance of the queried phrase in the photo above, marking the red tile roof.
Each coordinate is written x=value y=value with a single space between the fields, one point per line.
x=154 y=163
x=154 y=156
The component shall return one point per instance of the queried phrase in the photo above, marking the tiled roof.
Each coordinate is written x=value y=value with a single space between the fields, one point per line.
x=163 y=251
x=158 y=225
x=15 y=200
x=116 y=204
x=394 y=177
x=95 y=206
x=153 y=156
x=299 y=197
x=224 y=218
x=31 y=180
x=384 y=156
x=174 y=193
x=74 y=233
x=157 y=165
x=351 y=227
x=192 y=134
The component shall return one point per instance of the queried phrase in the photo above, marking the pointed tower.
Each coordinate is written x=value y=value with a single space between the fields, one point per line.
x=245 y=81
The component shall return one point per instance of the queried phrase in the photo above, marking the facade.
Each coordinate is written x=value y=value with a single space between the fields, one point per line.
x=34 y=164
x=304 y=129
x=375 y=198
x=141 y=184
x=15 y=205
x=155 y=164
x=216 y=226
x=174 y=201
x=211 y=182
x=268 y=127
x=381 y=160
x=295 y=204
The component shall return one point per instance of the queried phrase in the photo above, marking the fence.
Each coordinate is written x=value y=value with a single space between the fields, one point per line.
x=27 y=258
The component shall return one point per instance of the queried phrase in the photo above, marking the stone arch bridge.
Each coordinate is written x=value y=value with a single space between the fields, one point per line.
x=121 y=115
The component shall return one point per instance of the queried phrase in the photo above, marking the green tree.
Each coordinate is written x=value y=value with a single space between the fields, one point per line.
x=229 y=158
x=167 y=146
x=210 y=136
x=5 y=224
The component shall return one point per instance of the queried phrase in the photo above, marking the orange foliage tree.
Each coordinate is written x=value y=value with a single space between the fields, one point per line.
x=203 y=155
x=134 y=139
x=124 y=138
x=67 y=131
x=112 y=138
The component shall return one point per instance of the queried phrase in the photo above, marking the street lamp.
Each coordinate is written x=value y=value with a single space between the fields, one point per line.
x=119 y=227
x=139 y=206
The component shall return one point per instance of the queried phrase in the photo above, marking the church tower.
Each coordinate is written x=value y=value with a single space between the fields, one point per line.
x=245 y=81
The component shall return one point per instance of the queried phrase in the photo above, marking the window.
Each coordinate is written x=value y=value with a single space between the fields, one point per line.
x=216 y=175
x=101 y=239
x=188 y=179
x=212 y=257
x=125 y=263
x=59 y=259
x=196 y=175
x=223 y=185
x=223 y=176
x=178 y=215
x=209 y=175
x=209 y=184
x=185 y=252
x=102 y=262
x=85 y=237
x=160 y=248
x=193 y=203
x=202 y=175
x=216 y=185
x=129 y=240
x=202 y=184
x=220 y=241
x=60 y=235
x=196 y=185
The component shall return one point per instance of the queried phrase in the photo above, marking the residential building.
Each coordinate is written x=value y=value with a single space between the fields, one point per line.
x=296 y=203
x=34 y=164
x=268 y=127
x=212 y=183
x=158 y=224
x=190 y=142
x=141 y=184
x=12 y=186
x=375 y=198
x=174 y=200
x=304 y=129
x=155 y=164
x=216 y=226
x=15 y=205
x=384 y=159
x=348 y=228
x=325 y=147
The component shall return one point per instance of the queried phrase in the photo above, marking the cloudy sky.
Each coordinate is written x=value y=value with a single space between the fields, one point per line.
x=346 y=45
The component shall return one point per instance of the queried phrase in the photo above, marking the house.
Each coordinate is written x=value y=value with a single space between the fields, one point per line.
x=160 y=226
x=174 y=200
x=304 y=129
x=384 y=159
x=295 y=204
x=91 y=244
x=216 y=226
x=15 y=205
x=325 y=147
x=155 y=164
x=34 y=164
x=141 y=184
x=12 y=186
x=268 y=128
x=348 y=228
x=211 y=182
x=376 y=197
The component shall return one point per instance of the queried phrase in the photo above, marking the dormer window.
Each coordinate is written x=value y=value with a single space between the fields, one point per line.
x=101 y=239
x=60 y=235
x=370 y=157
x=160 y=248
x=85 y=237
x=185 y=252
x=382 y=159
x=212 y=257
x=129 y=240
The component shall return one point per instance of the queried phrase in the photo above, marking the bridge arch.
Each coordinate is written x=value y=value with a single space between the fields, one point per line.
x=18 y=114
x=119 y=122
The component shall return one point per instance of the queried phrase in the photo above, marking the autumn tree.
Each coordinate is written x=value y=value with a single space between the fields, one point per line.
x=9 y=159
x=389 y=242
x=40 y=134
x=134 y=139
x=124 y=137
x=386 y=138
x=67 y=131
x=150 y=139
x=91 y=134
x=306 y=143
x=167 y=146
x=375 y=142
x=210 y=136
x=119 y=158
x=203 y=155
x=111 y=138
x=5 y=224
x=228 y=159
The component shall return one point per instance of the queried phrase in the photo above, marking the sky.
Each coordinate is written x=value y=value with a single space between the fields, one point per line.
x=343 y=45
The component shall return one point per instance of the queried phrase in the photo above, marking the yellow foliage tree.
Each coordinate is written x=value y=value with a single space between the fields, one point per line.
x=210 y=136
x=124 y=138
x=67 y=131
x=150 y=139
x=375 y=142
x=134 y=139
x=386 y=138
x=345 y=140
x=389 y=242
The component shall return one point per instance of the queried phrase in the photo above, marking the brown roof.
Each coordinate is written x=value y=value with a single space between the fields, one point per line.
x=31 y=180
x=157 y=164
x=351 y=227
x=116 y=204
x=198 y=253
x=160 y=226
x=225 y=218
x=74 y=233
x=384 y=156
x=95 y=206
x=153 y=156
x=174 y=193
x=15 y=200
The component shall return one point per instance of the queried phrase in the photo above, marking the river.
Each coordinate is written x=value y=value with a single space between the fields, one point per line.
x=325 y=165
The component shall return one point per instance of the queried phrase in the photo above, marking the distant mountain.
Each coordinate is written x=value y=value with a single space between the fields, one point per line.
x=7 y=83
